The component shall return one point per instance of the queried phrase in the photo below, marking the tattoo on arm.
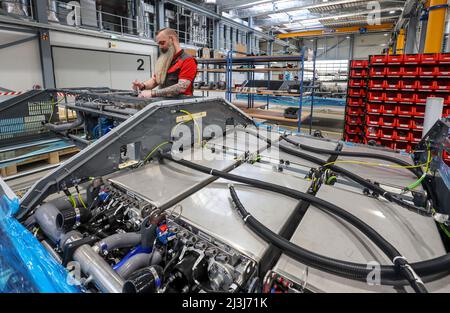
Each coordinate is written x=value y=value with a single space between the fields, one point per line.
x=173 y=90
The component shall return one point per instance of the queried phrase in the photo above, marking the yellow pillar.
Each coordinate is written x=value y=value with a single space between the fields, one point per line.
x=435 y=27
x=400 y=44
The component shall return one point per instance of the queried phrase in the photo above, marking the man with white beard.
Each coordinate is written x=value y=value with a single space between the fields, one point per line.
x=175 y=70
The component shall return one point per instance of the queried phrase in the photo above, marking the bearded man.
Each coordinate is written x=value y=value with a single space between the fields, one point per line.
x=175 y=70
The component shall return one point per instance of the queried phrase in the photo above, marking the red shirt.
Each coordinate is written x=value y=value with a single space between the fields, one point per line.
x=186 y=66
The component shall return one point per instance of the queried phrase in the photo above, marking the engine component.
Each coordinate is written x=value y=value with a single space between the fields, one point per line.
x=145 y=280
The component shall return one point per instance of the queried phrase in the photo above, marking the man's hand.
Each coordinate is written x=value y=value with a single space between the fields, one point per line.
x=145 y=94
x=137 y=85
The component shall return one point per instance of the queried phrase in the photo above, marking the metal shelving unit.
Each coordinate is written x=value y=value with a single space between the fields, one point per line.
x=250 y=62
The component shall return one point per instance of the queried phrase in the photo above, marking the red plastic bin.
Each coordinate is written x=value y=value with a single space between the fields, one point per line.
x=355 y=102
x=389 y=109
x=410 y=71
x=353 y=120
x=353 y=129
x=395 y=59
x=419 y=110
x=378 y=71
x=426 y=84
x=403 y=122
x=391 y=96
x=388 y=121
x=446 y=112
x=417 y=123
x=406 y=97
x=372 y=132
x=373 y=120
x=376 y=96
x=444 y=58
x=353 y=138
x=415 y=136
x=402 y=135
x=394 y=71
x=356 y=92
x=388 y=143
x=405 y=110
x=377 y=84
x=378 y=59
x=428 y=71
x=387 y=133
x=443 y=71
x=411 y=59
x=374 y=108
x=358 y=73
x=442 y=85
x=391 y=84
x=402 y=145
x=355 y=111
x=408 y=84
x=432 y=58
x=421 y=97
x=359 y=63
x=357 y=83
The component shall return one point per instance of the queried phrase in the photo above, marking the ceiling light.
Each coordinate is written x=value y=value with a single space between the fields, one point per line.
x=311 y=40
x=392 y=12
x=348 y=37
x=386 y=34
x=383 y=45
x=325 y=0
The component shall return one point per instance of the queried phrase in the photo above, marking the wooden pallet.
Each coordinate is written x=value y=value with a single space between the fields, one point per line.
x=51 y=158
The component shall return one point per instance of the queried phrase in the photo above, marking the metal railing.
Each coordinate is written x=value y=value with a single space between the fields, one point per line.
x=17 y=8
x=74 y=15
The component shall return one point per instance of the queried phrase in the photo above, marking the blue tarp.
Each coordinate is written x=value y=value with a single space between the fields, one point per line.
x=25 y=265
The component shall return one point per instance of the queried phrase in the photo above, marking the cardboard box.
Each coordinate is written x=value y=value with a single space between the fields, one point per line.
x=241 y=48
x=192 y=52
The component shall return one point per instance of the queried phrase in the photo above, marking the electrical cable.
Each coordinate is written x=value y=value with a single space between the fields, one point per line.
x=389 y=273
x=419 y=181
x=195 y=123
x=154 y=150
x=360 y=180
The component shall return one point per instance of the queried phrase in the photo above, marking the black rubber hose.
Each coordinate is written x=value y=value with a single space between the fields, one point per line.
x=417 y=171
x=431 y=267
x=360 y=180
x=333 y=266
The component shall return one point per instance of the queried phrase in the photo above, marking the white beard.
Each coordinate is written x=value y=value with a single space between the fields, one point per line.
x=163 y=64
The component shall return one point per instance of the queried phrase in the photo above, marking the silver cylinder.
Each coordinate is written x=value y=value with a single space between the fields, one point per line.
x=105 y=278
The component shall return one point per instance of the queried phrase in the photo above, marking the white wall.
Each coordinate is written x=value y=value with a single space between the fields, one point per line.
x=20 y=65
x=369 y=44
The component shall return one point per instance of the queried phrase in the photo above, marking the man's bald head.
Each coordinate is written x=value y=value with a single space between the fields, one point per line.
x=166 y=37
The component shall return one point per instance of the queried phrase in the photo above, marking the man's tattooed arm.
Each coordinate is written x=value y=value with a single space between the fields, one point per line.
x=173 y=90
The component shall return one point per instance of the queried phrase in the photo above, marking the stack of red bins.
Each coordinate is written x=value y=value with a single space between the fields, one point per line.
x=397 y=89
x=356 y=101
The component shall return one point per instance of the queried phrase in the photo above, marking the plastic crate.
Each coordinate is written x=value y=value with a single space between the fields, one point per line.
x=353 y=129
x=446 y=112
x=410 y=71
x=442 y=85
x=353 y=138
x=411 y=59
x=408 y=84
x=359 y=63
x=428 y=71
x=432 y=58
x=378 y=71
x=394 y=71
x=405 y=110
x=358 y=73
x=391 y=84
x=419 y=110
x=402 y=145
x=426 y=85
x=373 y=120
x=355 y=111
x=353 y=120
x=403 y=122
x=444 y=58
x=377 y=84
x=443 y=71
x=387 y=133
x=406 y=97
x=389 y=109
x=357 y=83
x=417 y=123
x=402 y=135
x=374 y=108
x=415 y=136
x=378 y=59
x=355 y=102
x=376 y=96
x=356 y=92
x=372 y=132
x=388 y=121
x=388 y=143
x=421 y=98
x=395 y=59
x=391 y=96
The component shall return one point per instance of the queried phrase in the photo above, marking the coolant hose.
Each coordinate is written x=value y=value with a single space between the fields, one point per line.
x=67 y=126
x=430 y=267
x=360 y=180
x=309 y=258
x=118 y=241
